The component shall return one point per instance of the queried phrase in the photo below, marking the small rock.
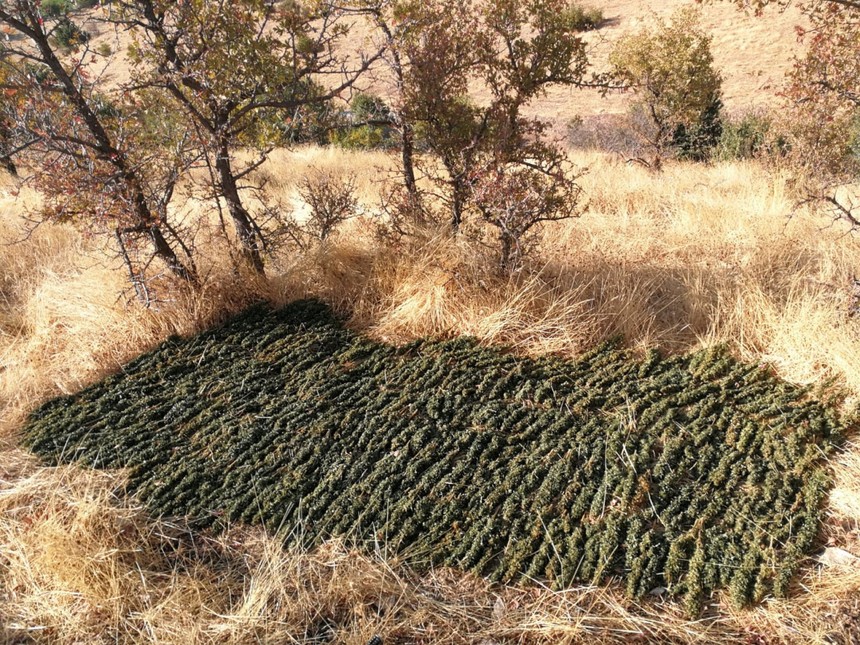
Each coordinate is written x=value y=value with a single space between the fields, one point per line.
x=836 y=557
x=499 y=608
x=658 y=591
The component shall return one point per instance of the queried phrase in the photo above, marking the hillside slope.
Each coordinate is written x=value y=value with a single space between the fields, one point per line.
x=753 y=54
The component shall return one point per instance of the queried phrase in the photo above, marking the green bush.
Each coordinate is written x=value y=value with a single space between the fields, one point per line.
x=308 y=124
x=750 y=136
x=56 y=8
x=586 y=18
x=366 y=137
x=854 y=136
x=38 y=71
x=691 y=473
x=367 y=125
x=677 y=86
x=369 y=107
x=696 y=142
x=104 y=107
x=69 y=35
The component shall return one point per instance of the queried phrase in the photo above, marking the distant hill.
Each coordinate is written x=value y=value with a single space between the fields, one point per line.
x=753 y=54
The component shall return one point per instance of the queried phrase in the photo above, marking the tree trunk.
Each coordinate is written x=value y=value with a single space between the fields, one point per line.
x=508 y=253
x=407 y=149
x=249 y=237
x=164 y=251
x=459 y=196
x=407 y=133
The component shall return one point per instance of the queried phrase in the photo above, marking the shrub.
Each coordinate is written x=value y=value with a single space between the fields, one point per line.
x=69 y=35
x=369 y=107
x=331 y=199
x=311 y=124
x=854 y=136
x=362 y=138
x=823 y=111
x=104 y=107
x=446 y=46
x=749 y=136
x=517 y=200
x=367 y=125
x=672 y=71
x=38 y=72
x=56 y=8
x=824 y=107
x=696 y=142
x=586 y=18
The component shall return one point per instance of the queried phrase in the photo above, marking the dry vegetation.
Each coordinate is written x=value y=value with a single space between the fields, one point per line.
x=695 y=256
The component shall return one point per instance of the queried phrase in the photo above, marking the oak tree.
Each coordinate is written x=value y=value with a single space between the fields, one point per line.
x=444 y=52
x=84 y=146
x=228 y=65
x=823 y=95
x=671 y=69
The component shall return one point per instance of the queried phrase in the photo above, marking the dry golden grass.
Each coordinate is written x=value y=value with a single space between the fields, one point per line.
x=65 y=317
x=694 y=256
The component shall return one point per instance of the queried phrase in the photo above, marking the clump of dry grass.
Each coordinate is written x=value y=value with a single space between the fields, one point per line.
x=67 y=316
x=695 y=256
